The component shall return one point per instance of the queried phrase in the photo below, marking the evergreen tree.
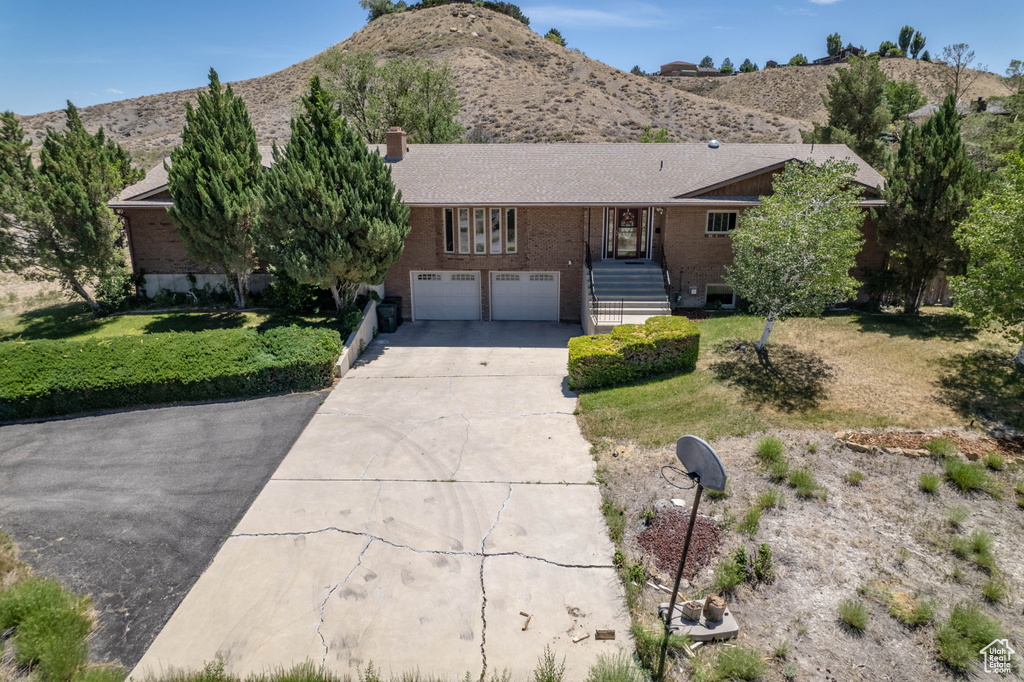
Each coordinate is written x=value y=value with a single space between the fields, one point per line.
x=637 y=71
x=56 y=222
x=833 y=43
x=930 y=186
x=707 y=63
x=926 y=56
x=332 y=216
x=906 y=38
x=857 y=112
x=555 y=36
x=748 y=66
x=917 y=44
x=726 y=67
x=214 y=179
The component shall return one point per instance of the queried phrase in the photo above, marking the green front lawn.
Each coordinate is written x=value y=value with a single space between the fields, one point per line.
x=840 y=371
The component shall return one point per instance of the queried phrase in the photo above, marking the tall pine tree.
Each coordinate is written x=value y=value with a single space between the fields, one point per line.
x=930 y=186
x=56 y=223
x=214 y=179
x=332 y=217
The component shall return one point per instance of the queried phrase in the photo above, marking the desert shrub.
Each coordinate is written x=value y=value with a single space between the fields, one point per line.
x=964 y=634
x=769 y=499
x=618 y=667
x=751 y=521
x=648 y=643
x=632 y=351
x=853 y=477
x=50 y=626
x=976 y=547
x=769 y=449
x=853 y=613
x=762 y=564
x=44 y=378
x=995 y=461
x=994 y=589
x=909 y=610
x=956 y=516
x=779 y=470
x=730 y=663
x=549 y=669
x=930 y=482
x=969 y=476
x=729 y=573
x=941 y=447
x=804 y=481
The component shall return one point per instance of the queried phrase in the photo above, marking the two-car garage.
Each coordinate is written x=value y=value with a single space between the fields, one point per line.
x=457 y=295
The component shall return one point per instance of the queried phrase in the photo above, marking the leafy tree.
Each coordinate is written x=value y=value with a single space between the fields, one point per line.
x=1015 y=75
x=332 y=217
x=748 y=66
x=555 y=36
x=903 y=97
x=214 y=178
x=410 y=92
x=887 y=47
x=707 y=63
x=993 y=235
x=833 y=43
x=926 y=56
x=637 y=71
x=55 y=220
x=906 y=38
x=726 y=67
x=797 y=60
x=931 y=184
x=659 y=135
x=794 y=252
x=957 y=76
x=378 y=8
x=857 y=112
x=916 y=45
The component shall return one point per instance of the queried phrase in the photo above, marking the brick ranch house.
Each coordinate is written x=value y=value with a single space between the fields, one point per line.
x=504 y=231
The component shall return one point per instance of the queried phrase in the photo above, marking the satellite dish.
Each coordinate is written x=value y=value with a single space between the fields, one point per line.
x=701 y=461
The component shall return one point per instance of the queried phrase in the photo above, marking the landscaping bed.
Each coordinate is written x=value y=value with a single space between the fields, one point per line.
x=971 y=445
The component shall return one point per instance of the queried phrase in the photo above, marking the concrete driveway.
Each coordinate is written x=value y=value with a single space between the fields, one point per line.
x=441 y=490
x=131 y=507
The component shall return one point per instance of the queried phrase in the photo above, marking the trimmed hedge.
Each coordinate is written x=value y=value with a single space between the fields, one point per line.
x=633 y=351
x=46 y=378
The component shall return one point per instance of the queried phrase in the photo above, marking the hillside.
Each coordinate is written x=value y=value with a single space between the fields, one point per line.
x=513 y=86
x=794 y=92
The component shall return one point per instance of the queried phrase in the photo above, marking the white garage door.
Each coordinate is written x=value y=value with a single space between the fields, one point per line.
x=524 y=296
x=445 y=295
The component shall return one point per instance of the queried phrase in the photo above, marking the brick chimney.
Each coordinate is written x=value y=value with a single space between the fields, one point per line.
x=396 y=144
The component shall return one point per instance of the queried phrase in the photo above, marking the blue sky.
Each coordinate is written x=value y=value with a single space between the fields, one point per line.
x=108 y=50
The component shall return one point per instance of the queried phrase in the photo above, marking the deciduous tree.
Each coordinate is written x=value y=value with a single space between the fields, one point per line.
x=930 y=186
x=903 y=97
x=833 y=43
x=993 y=236
x=906 y=39
x=726 y=67
x=1015 y=75
x=56 y=223
x=958 y=76
x=214 y=179
x=797 y=60
x=917 y=44
x=794 y=252
x=886 y=47
x=332 y=217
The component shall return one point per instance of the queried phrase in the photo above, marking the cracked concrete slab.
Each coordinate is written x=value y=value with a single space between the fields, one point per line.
x=449 y=463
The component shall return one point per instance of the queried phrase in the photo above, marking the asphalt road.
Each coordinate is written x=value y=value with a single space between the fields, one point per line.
x=132 y=507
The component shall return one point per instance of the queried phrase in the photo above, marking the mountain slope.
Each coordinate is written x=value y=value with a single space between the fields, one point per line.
x=794 y=91
x=513 y=86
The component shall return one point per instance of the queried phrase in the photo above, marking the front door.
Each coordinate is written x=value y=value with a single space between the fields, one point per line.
x=627 y=232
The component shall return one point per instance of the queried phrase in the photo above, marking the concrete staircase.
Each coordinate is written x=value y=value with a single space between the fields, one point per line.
x=639 y=285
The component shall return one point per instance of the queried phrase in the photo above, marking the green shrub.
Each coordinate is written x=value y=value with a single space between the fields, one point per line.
x=549 y=669
x=804 y=481
x=648 y=643
x=976 y=547
x=771 y=498
x=930 y=483
x=961 y=638
x=763 y=564
x=618 y=667
x=853 y=613
x=853 y=477
x=632 y=351
x=995 y=461
x=969 y=476
x=45 y=378
x=994 y=589
x=956 y=516
x=779 y=470
x=731 y=663
x=941 y=447
x=729 y=573
x=909 y=610
x=769 y=449
x=50 y=626
x=719 y=494
x=751 y=521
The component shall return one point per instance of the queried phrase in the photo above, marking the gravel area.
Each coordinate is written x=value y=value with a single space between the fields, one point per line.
x=664 y=539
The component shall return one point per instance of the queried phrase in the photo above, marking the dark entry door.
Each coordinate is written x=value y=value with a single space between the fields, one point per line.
x=627 y=233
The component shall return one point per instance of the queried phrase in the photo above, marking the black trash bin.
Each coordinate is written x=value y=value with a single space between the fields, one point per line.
x=397 y=300
x=387 y=318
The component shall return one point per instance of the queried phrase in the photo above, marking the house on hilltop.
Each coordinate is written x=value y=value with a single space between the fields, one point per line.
x=841 y=56
x=518 y=231
x=687 y=69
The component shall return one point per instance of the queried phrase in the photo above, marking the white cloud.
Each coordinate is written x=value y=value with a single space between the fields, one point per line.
x=114 y=91
x=824 y=2
x=641 y=16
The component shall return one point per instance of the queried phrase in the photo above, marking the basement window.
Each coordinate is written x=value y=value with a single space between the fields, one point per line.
x=720 y=296
x=721 y=222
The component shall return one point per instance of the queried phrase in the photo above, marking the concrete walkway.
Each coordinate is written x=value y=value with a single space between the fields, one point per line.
x=442 y=489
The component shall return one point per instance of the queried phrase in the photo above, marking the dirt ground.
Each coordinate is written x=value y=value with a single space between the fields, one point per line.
x=828 y=550
x=18 y=294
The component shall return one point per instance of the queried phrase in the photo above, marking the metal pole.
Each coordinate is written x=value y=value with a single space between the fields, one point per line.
x=679 y=578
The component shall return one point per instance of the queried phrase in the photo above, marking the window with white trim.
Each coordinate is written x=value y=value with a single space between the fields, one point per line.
x=481 y=231
x=495 y=230
x=464 y=230
x=449 y=230
x=510 y=230
x=721 y=222
x=720 y=296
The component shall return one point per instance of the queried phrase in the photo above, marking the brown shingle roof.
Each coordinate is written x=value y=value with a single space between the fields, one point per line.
x=156 y=179
x=586 y=173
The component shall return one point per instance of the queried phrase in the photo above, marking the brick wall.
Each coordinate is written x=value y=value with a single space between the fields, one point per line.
x=549 y=237
x=155 y=245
